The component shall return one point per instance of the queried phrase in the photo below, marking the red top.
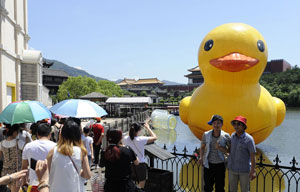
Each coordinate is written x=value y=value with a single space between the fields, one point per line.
x=98 y=129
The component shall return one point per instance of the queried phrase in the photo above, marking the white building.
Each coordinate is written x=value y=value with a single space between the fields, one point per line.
x=20 y=68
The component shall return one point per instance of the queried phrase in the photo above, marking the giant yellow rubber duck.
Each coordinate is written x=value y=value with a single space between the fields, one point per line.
x=232 y=57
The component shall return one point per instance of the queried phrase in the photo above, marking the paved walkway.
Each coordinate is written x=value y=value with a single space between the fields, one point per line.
x=107 y=120
x=88 y=187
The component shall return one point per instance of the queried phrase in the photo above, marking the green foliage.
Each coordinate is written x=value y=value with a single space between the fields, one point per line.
x=109 y=88
x=285 y=85
x=76 y=87
x=54 y=99
x=125 y=92
x=143 y=93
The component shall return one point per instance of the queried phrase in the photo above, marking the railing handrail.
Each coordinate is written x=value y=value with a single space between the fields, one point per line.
x=259 y=163
x=272 y=175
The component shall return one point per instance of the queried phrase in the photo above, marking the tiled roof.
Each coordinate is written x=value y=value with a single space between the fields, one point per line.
x=194 y=75
x=140 y=81
x=54 y=72
x=194 y=69
x=127 y=82
x=93 y=95
x=129 y=100
x=148 y=81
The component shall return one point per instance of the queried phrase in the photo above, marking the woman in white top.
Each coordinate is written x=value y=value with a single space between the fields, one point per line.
x=137 y=144
x=68 y=162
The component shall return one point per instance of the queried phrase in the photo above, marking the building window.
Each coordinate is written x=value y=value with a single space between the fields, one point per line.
x=198 y=80
x=46 y=78
x=57 y=79
x=10 y=93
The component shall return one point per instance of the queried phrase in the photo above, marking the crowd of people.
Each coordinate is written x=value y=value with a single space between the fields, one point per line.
x=219 y=149
x=58 y=156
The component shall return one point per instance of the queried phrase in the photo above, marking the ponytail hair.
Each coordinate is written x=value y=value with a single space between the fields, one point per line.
x=134 y=128
x=112 y=152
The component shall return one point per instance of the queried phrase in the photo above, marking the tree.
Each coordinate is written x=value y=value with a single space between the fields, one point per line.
x=125 y=92
x=143 y=93
x=285 y=85
x=74 y=87
x=109 y=88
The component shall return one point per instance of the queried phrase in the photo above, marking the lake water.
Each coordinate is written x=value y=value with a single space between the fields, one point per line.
x=284 y=140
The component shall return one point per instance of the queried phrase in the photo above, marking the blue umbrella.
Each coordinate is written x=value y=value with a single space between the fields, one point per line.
x=78 y=108
x=24 y=112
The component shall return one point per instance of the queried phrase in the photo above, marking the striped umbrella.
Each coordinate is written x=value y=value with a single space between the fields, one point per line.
x=78 y=108
x=24 y=112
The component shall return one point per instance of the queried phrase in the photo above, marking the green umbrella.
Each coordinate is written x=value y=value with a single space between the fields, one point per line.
x=24 y=112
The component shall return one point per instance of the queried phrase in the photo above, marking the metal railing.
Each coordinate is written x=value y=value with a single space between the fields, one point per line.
x=271 y=176
x=124 y=123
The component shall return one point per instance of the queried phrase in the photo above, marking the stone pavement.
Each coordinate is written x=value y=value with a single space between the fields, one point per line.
x=88 y=187
x=94 y=171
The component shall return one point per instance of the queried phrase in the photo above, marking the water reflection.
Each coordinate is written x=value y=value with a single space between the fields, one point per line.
x=165 y=136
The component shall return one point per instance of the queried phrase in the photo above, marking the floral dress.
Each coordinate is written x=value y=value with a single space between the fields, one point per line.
x=12 y=159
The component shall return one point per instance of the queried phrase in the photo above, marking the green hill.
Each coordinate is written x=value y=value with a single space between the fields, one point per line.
x=284 y=85
x=72 y=71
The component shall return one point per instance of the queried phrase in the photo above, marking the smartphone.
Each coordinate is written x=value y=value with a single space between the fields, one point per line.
x=33 y=163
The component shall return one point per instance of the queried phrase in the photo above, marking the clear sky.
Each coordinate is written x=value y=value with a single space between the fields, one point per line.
x=114 y=39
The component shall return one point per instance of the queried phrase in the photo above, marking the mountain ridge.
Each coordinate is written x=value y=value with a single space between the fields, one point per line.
x=72 y=71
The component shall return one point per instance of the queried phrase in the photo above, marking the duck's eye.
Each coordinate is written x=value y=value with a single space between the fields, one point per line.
x=261 y=45
x=208 y=45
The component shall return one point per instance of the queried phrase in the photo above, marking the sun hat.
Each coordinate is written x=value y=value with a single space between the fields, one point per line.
x=214 y=118
x=240 y=119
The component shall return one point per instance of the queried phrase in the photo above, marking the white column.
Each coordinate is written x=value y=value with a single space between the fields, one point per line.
x=1 y=52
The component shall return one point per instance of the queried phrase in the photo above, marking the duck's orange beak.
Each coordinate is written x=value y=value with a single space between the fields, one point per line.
x=234 y=62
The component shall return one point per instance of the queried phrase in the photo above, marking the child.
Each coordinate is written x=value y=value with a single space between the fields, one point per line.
x=88 y=142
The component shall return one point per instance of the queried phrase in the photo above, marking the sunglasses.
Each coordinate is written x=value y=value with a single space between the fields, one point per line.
x=237 y=123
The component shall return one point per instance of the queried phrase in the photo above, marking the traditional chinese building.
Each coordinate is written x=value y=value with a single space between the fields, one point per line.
x=95 y=97
x=149 y=82
x=53 y=78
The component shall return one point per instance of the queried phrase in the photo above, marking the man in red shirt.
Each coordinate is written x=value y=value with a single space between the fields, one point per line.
x=98 y=131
